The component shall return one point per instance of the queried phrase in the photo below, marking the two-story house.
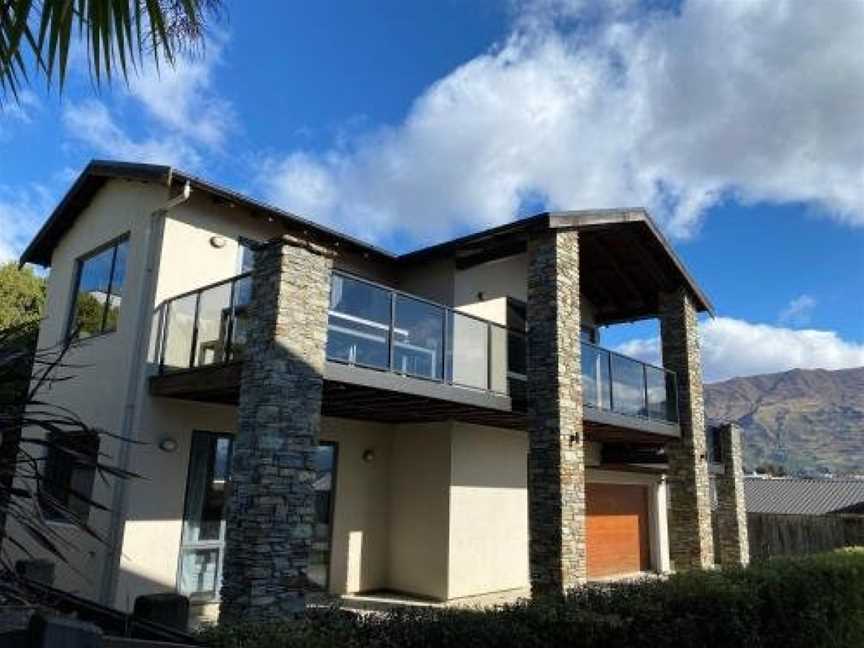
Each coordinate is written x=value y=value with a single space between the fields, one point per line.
x=311 y=411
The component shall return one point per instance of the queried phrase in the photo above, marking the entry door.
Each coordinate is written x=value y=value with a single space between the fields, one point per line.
x=203 y=540
x=325 y=496
x=617 y=529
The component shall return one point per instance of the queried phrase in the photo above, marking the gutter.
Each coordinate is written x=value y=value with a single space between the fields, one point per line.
x=135 y=391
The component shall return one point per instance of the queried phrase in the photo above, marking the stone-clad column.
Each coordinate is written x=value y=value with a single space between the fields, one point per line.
x=734 y=546
x=690 y=536
x=556 y=464
x=271 y=504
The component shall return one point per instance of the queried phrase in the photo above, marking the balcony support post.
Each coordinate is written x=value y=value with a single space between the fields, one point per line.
x=556 y=464
x=270 y=518
x=690 y=531
x=734 y=546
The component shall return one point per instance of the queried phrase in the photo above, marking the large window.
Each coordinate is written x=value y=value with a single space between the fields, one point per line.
x=99 y=287
x=203 y=542
x=67 y=479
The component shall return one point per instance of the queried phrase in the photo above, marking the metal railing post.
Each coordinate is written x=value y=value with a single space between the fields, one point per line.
x=489 y=356
x=392 y=333
x=194 y=331
x=645 y=389
x=229 y=325
x=611 y=383
x=444 y=340
x=163 y=342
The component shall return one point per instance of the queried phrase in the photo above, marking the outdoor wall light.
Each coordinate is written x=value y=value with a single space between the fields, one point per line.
x=369 y=456
x=217 y=241
x=167 y=445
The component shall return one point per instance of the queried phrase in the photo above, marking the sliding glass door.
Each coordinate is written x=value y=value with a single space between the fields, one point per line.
x=203 y=540
x=325 y=493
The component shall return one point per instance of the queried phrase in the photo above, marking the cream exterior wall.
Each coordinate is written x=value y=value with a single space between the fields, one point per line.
x=482 y=290
x=154 y=513
x=419 y=510
x=488 y=547
x=361 y=516
x=433 y=281
x=99 y=389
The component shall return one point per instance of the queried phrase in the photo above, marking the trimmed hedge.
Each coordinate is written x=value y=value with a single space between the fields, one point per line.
x=786 y=603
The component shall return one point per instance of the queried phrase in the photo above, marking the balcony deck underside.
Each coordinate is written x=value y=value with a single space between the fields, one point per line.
x=367 y=394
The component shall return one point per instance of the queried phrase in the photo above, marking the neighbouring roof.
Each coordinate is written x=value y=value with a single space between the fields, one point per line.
x=794 y=496
x=627 y=254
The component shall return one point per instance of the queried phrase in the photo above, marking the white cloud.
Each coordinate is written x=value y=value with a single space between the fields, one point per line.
x=14 y=113
x=733 y=347
x=183 y=98
x=798 y=311
x=91 y=123
x=22 y=209
x=674 y=111
x=178 y=110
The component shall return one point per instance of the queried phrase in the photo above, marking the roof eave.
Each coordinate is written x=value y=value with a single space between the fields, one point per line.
x=37 y=251
x=600 y=217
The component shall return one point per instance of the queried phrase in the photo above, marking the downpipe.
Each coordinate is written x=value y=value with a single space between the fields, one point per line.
x=135 y=391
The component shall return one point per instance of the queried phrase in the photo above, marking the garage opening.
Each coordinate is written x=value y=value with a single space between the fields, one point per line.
x=617 y=529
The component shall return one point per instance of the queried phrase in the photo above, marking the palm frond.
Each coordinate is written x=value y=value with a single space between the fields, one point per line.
x=116 y=34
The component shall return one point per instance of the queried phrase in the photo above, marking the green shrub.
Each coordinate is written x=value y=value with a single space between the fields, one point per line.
x=814 y=601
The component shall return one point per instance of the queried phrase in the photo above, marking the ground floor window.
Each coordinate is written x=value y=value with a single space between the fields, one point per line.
x=203 y=538
x=319 y=559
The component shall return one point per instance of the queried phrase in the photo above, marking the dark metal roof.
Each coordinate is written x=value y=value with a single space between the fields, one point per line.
x=793 y=496
x=97 y=172
x=641 y=233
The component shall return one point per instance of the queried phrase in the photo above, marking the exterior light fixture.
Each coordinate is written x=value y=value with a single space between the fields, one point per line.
x=167 y=445
x=217 y=241
x=369 y=455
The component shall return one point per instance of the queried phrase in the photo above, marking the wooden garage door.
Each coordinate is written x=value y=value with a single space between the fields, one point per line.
x=617 y=534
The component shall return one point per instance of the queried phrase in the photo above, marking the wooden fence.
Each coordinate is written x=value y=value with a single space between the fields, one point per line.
x=791 y=535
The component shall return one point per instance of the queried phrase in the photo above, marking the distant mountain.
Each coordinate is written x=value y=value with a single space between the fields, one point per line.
x=808 y=421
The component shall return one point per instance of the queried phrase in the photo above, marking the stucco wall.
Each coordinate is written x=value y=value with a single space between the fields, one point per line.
x=152 y=533
x=98 y=391
x=190 y=261
x=419 y=509
x=433 y=280
x=361 y=517
x=507 y=277
x=482 y=289
x=488 y=510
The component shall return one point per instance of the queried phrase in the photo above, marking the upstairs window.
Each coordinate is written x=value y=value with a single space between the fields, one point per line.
x=99 y=287
x=67 y=481
x=245 y=254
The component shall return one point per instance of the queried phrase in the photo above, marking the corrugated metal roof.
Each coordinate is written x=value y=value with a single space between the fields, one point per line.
x=792 y=496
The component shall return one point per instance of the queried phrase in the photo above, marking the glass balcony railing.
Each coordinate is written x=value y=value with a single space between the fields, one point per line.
x=616 y=383
x=380 y=328
x=206 y=326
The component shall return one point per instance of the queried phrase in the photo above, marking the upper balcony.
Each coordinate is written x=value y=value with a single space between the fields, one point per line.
x=396 y=357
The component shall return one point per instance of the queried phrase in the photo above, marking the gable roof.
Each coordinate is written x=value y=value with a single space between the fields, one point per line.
x=98 y=172
x=794 y=496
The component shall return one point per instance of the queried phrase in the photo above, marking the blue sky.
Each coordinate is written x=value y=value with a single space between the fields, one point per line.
x=739 y=125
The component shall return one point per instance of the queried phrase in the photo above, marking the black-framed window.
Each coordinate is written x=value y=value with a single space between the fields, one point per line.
x=202 y=547
x=100 y=282
x=203 y=541
x=68 y=474
x=245 y=254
